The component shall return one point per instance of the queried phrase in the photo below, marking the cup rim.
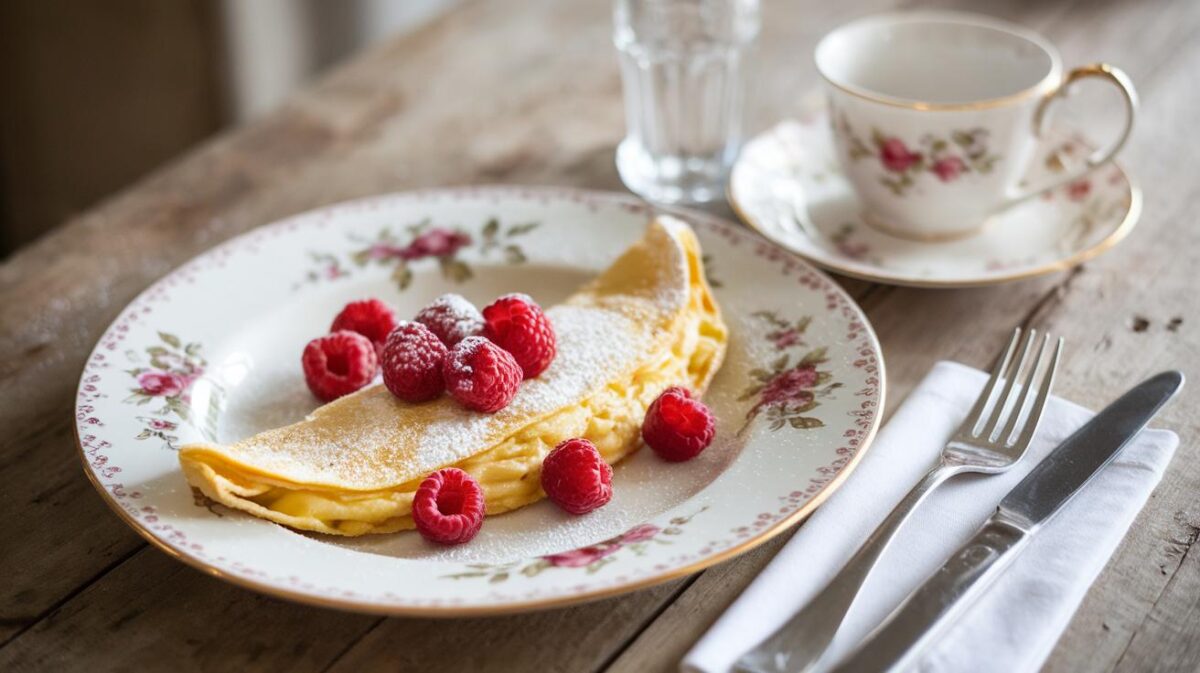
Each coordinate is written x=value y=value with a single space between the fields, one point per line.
x=1043 y=86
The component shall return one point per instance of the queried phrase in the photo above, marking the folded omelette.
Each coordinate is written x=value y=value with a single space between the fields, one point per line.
x=352 y=466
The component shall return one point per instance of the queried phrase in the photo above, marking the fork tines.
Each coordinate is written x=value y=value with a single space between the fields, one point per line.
x=1009 y=406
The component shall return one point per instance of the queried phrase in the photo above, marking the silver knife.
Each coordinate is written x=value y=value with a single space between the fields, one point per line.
x=1040 y=495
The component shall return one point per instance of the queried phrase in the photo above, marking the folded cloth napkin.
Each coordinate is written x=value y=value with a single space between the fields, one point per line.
x=1016 y=622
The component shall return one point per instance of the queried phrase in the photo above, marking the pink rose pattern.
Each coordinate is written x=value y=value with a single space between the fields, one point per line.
x=791 y=387
x=896 y=157
x=327 y=267
x=421 y=242
x=436 y=243
x=786 y=338
x=97 y=448
x=1072 y=153
x=161 y=384
x=1079 y=190
x=966 y=151
x=845 y=242
x=591 y=558
x=582 y=557
x=165 y=379
x=641 y=533
x=948 y=169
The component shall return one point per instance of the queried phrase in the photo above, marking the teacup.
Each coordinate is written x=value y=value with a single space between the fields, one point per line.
x=936 y=116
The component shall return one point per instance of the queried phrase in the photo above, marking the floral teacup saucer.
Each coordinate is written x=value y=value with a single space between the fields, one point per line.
x=787 y=184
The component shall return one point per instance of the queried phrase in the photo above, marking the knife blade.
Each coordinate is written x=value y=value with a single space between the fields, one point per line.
x=1026 y=508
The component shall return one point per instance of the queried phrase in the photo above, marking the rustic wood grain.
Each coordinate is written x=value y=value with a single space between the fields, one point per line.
x=1166 y=637
x=529 y=93
x=154 y=613
x=580 y=638
x=65 y=536
x=663 y=643
x=1127 y=616
x=1105 y=355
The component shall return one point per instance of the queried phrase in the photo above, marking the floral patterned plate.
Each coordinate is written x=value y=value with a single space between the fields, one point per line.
x=787 y=184
x=213 y=351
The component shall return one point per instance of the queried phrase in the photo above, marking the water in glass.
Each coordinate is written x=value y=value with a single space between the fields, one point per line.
x=681 y=66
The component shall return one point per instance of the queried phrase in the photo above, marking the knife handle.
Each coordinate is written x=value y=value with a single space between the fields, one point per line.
x=928 y=609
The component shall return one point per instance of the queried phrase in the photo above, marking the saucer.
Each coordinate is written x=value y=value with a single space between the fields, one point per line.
x=787 y=185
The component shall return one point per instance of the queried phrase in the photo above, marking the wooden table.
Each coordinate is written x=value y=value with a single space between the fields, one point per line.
x=529 y=93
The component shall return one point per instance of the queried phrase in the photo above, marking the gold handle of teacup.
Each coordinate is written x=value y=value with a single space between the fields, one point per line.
x=1106 y=72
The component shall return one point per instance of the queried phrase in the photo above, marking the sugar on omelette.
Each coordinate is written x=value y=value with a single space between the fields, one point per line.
x=352 y=466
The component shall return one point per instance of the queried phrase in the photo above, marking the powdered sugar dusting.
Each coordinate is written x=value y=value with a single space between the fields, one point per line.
x=459 y=372
x=593 y=343
x=372 y=440
x=452 y=318
x=519 y=296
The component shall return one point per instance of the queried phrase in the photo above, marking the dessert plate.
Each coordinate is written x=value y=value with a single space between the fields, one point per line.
x=211 y=352
x=787 y=184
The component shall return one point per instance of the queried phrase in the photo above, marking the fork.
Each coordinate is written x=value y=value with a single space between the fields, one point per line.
x=991 y=439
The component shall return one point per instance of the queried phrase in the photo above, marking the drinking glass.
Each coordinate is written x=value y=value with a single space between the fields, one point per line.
x=681 y=67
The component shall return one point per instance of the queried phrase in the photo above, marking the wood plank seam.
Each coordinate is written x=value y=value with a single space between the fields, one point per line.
x=1052 y=298
x=16 y=447
x=350 y=644
x=872 y=294
x=45 y=614
x=1192 y=533
x=646 y=623
x=1146 y=613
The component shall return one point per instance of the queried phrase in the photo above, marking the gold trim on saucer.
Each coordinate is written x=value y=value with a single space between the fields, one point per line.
x=1132 y=215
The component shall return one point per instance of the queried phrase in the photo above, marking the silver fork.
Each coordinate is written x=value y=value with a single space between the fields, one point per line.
x=981 y=444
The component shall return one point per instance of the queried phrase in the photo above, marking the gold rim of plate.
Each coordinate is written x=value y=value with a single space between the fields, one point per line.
x=557 y=601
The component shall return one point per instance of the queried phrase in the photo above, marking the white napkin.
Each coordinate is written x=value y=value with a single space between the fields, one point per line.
x=1015 y=624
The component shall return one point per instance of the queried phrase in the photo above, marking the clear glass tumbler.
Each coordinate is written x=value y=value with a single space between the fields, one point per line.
x=681 y=66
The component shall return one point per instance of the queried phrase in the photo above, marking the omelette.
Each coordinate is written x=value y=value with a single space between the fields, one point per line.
x=352 y=466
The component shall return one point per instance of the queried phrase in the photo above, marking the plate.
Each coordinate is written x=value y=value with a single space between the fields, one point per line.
x=787 y=185
x=212 y=351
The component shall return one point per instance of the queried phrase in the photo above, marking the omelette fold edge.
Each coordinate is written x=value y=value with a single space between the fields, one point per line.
x=352 y=466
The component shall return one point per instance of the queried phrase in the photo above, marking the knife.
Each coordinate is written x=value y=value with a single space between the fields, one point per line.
x=1040 y=495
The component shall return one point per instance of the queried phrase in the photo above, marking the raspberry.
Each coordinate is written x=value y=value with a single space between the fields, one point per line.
x=452 y=318
x=481 y=375
x=516 y=324
x=576 y=478
x=338 y=364
x=678 y=427
x=448 y=507
x=412 y=362
x=370 y=318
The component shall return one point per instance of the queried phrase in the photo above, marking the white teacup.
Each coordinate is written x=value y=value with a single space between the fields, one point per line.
x=936 y=115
